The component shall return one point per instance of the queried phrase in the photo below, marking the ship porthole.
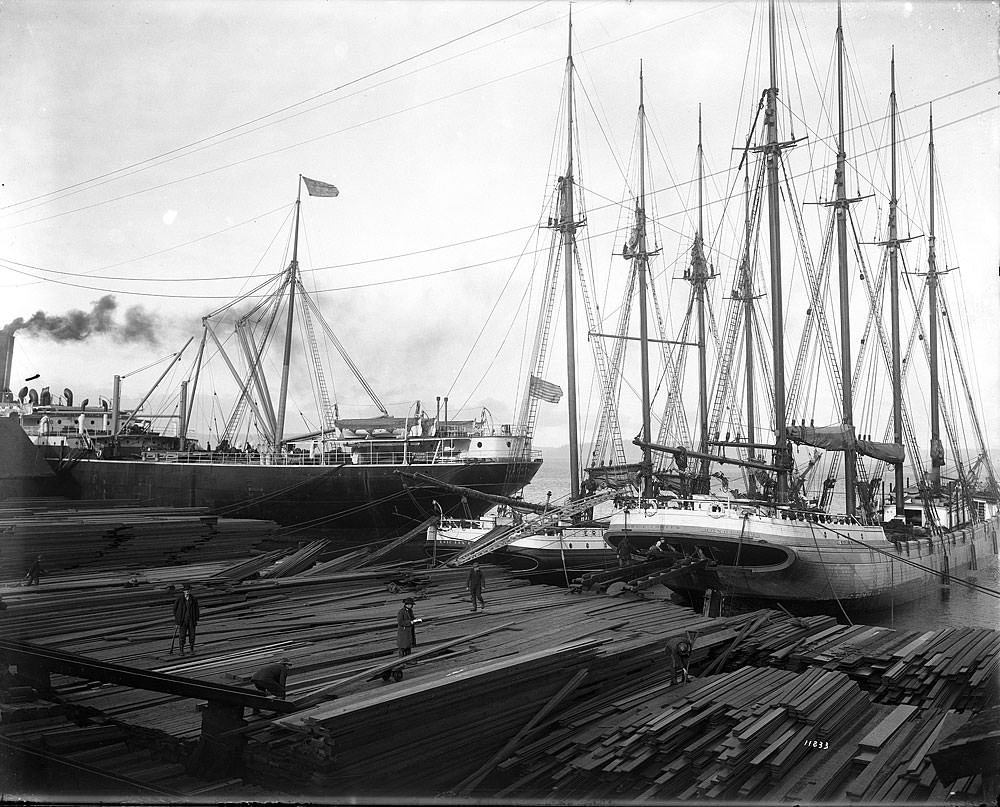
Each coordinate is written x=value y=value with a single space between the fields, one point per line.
x=479 y=444
x=571 y=546
x=508 y=444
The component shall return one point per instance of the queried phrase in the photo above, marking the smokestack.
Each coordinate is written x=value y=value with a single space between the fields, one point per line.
x=116 y=400
x=6 y=358
x=182 y=424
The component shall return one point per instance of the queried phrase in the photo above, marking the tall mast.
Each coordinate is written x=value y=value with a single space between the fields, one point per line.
x=840 y=181
x=773 y=151
x=937 y=449
x=293 y=269
x=748 y=326
x=642 y=258
x=568 y=227
x=897 y=393
x=699 y=279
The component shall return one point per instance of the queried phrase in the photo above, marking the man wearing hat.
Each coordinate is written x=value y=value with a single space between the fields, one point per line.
x=186 y=615
x=475 y=583
x=271 y=678
x=406 y=634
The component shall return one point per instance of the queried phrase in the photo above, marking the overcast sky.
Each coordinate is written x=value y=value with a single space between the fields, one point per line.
x=151 y=151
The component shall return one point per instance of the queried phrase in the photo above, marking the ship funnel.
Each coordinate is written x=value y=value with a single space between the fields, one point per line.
x=68 y=396
x=6 y=358
x=33 y=397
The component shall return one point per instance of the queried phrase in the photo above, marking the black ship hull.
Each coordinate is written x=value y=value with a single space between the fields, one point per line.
x=348 y=500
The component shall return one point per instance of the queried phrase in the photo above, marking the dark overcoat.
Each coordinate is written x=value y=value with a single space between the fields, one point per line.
x=476 y=581
x=186 y=611
x=406 y=634
x=271 y=673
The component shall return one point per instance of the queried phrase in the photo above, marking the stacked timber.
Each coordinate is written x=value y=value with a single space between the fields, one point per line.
x=945 y=668
x=70 y=537
x=968 y=747
x=548 y=694
x=334 y=628
x=71 y=762
x=753 y=734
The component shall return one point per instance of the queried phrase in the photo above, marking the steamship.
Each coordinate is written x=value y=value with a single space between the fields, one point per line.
x=340 y=480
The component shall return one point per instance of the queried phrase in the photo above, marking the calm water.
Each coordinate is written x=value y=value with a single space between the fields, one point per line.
x=959 y=607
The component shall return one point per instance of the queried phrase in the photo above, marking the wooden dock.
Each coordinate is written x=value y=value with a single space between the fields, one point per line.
x=546 y=694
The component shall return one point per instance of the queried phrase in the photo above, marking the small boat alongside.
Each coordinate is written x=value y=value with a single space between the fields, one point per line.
x=573 y=547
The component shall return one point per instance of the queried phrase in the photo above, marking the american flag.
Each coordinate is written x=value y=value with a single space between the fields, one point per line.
x=546 y=390
x=317 y=188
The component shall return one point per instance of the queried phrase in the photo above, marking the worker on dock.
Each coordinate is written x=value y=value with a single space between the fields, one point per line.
x=35 y=571
x=271 y=678
x=186 y=614
x=476 y=584
x=406 y=634
x=624 y=552
x=657 y=550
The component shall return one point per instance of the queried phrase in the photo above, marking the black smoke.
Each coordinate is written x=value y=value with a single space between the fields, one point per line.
x=77 y=325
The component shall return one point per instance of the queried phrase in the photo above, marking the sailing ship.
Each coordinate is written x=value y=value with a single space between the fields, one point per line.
x=531 y=536
x=771 y=543
x=340 y=477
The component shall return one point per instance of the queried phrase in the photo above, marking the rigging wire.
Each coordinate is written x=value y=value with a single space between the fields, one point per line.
x=317 y=138
x=260 y=118
x=11 y=264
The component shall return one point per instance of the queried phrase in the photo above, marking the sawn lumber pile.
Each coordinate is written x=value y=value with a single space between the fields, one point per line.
x=948 y=667
x=580 y=684
x=752 y=734
x=78 y=536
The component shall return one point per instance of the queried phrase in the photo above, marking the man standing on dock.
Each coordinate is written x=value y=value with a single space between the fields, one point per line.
x=624 y=552
x=476 y=584
x=406 y=634
x=35 y=572
x=186 y=615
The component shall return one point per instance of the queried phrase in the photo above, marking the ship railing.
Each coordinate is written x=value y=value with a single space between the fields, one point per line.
x=740 y=507
x=467 y=524
x=398 y=457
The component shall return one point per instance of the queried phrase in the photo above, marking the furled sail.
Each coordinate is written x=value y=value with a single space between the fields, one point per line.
x=886 y=452
x=842 y=438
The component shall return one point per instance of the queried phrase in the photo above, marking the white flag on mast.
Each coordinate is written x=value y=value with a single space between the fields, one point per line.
x=317 y=188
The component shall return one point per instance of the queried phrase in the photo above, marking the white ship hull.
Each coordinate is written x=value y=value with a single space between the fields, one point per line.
x=804 y=559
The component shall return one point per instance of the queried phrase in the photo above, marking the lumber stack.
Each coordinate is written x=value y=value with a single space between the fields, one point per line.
x=334 y=627
x=103 y=758
x=751 y=734
x=945 y=668
x=969 y=746
x=803 y=709
x=71 y=537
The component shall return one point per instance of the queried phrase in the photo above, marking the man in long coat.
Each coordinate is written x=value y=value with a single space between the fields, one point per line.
x=186 y=615
x=406 y=634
